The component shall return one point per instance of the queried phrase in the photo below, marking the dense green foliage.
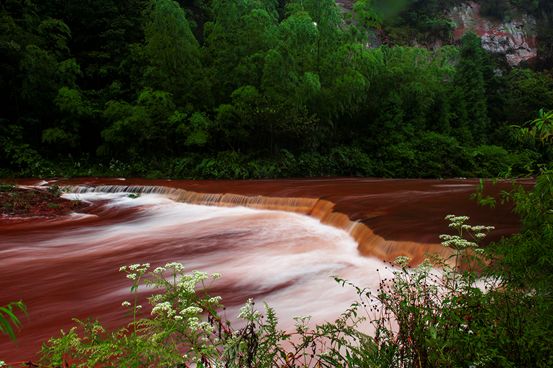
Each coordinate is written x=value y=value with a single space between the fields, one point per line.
x=260 y=88
x=8 y=318
x=527 y=257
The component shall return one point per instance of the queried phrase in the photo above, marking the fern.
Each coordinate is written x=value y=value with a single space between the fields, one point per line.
x=8 y=320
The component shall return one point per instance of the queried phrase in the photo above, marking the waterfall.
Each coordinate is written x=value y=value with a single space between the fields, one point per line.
x=369 y=243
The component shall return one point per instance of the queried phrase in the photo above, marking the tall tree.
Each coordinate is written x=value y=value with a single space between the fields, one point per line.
x=172 y=52
x=241 y=32
x=471 y=86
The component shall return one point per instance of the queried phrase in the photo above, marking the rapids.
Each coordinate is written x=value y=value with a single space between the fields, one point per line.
x=67 y=267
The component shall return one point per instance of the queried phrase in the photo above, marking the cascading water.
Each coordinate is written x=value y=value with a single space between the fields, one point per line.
x=279 y=257
x=369 y=244
x=266 y=248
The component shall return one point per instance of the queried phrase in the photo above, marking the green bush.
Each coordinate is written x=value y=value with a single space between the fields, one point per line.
x=226 y=165
x=351 y=161
x=263 y=169
x=491 y=161
x=397 y=160
x=439 y=155
x=526 y=259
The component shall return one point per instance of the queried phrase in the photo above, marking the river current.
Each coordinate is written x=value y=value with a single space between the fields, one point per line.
x=285 y=255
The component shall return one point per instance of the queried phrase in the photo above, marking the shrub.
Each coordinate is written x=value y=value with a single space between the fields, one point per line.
x=312 y=164
x=263 y=169
x=226 y=165
x=439 y=155
x=351 y=161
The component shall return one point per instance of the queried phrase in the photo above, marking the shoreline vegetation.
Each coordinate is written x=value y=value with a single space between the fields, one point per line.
x=264 y=89
x=18 y=203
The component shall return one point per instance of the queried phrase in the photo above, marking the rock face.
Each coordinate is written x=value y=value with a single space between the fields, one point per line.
x=516 y=39
x=346 y=4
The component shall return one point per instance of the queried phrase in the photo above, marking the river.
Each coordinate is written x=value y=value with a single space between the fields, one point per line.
x=281 y=244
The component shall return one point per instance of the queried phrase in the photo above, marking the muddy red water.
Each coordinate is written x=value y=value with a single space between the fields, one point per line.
x=67 y=267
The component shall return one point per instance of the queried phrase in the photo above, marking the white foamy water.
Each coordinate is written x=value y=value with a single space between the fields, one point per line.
x=284 y=259
x=67 y=267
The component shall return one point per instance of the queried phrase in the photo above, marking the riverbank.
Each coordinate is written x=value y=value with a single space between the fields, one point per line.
x=19 y=202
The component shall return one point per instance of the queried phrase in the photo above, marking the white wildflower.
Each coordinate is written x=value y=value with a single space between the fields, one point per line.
x=177 y=267
x=214 y=300
x=248 y=312
x=159 y=270
x=206 y=327
x=187 y=286
x=191 y=310
x=126 y=304
x=132 y=276
x=122 y=268
x=193 y=324
x=156 y=298
x=302 y=323
x=216 y=276
x=200 y=276
x=479 y=236
x=139 y=267
x=163 y=308
x=402 y=261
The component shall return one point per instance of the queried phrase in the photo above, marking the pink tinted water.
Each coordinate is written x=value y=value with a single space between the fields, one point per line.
x=67 y=267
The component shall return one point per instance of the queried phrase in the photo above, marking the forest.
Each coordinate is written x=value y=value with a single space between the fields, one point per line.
x=263 y=89
x=255 y=89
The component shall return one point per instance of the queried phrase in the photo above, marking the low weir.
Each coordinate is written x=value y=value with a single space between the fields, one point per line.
x=369 y=244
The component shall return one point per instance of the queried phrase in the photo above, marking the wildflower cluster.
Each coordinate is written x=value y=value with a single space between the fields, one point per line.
x=135 y=271
x=184 y=328
x=421 y=314
x=467 y=238
x=402 y=261
x=248 y=312
x=181 y=305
